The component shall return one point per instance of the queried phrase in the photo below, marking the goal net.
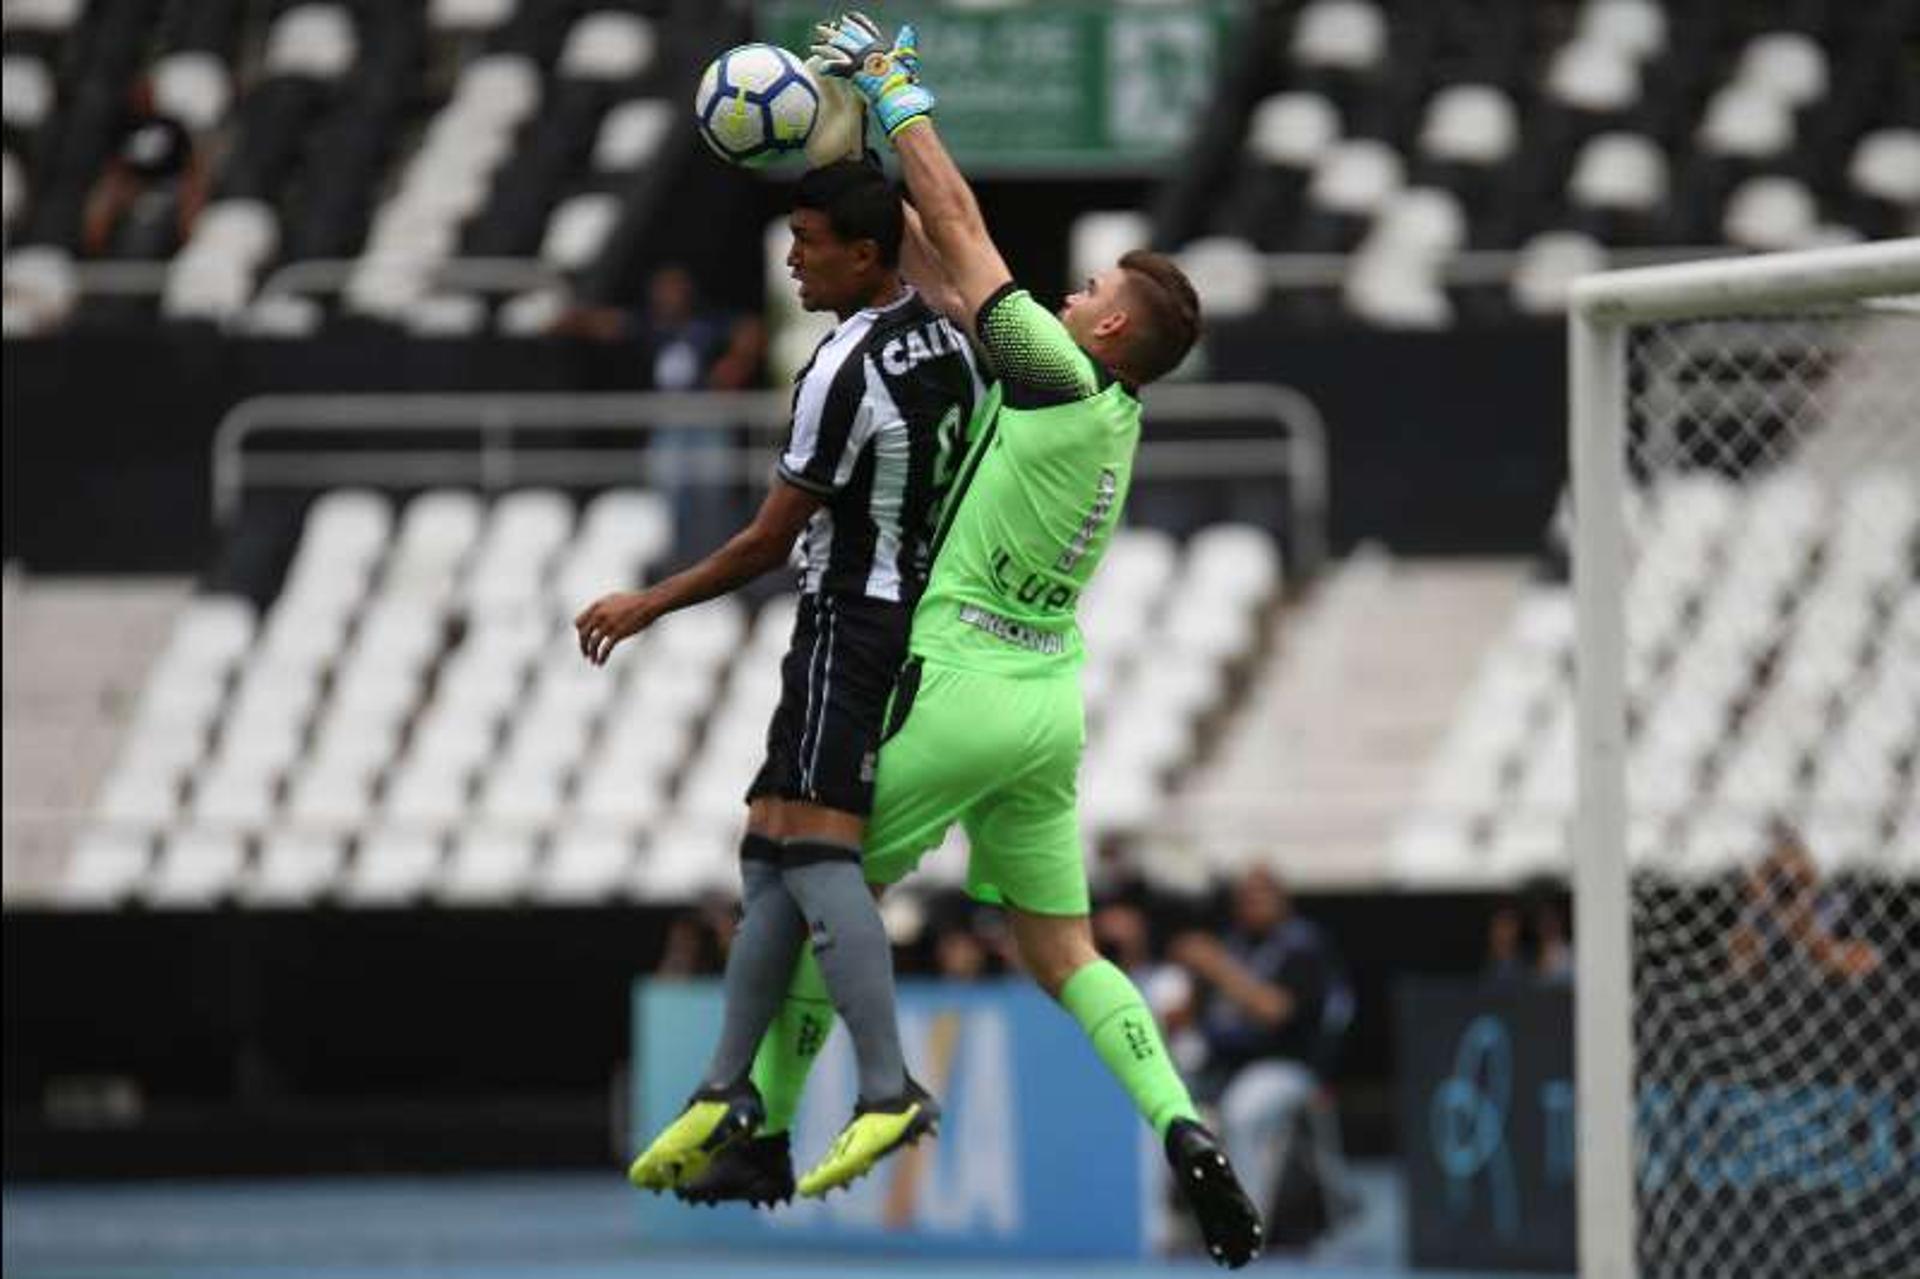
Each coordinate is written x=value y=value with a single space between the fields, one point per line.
x=1747 y=496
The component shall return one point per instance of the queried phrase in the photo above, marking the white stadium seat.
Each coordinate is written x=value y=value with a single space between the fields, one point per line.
x=1228 y=274
x=631 y=521
x=487 y=867
x=585 y=866
x=27 y=96
x=329 y=799
x=1620 y=171
x=311 y=40
x=392 y=867
x=1591 y=75
x=1886 y=165
x=620 y=798
x=608 y=46
x=579 y=229
x=687 y=858
x=194 y=87
x=1637 y=28
x=1787 y=64
x=1096 y=240
x=294 y=868
x=631 y=135
x=1289 y=129
x=1348 y=35
x=1357 y=177
x=1549 y=264
x=196 y=869
x=469 y=15
x=425 y=795
x=1469 y=124
x=1771 y=214
x=1746 y=122
x=106 y=867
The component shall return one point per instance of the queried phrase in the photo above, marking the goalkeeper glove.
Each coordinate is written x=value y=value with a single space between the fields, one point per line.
x=887 y=77
x=840 y=128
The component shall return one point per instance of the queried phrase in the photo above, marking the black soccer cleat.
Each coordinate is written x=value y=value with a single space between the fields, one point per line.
x=1227 y=1218
x=758 y=1171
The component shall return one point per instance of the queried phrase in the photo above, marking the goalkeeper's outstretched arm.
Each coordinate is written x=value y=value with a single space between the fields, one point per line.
x=950 y=216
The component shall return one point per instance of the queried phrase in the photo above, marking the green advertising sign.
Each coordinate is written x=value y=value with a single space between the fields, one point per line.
x=1064 y=85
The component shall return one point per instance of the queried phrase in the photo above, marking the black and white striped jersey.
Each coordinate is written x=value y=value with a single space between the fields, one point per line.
x=880 y=416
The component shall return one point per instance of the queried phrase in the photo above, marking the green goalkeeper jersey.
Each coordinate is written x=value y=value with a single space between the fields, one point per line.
x=1035 y=504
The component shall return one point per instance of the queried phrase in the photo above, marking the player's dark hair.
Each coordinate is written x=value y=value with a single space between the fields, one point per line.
x=859 y=202
x=1169 y=311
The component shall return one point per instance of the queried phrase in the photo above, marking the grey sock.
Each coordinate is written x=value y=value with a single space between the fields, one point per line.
x=760 y=962
x=855 y=959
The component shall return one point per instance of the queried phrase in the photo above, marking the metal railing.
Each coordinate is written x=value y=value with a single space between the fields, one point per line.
x=498 y=456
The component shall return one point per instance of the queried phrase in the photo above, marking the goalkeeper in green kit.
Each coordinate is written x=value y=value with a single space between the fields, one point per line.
x=986 y=725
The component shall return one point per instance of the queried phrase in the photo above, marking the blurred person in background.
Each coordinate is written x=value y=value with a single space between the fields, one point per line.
x=686 y=347
x=1528 y=937
x=698 y=938
x=1271 y=1004
x=145 y=201
x=1123 y=932
x=1790 y=919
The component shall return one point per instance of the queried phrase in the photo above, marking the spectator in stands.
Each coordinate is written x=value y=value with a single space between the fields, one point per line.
x=1528 y=937
x=1273 y=1002
x=687 y=347
x=154 y=185
x=1789 y=917
x=968 y=942
x=697 y=939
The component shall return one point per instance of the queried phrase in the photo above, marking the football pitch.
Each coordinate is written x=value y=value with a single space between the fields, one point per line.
x=547 y=1226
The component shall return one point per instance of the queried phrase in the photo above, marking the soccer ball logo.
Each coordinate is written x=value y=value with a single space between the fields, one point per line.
x=756 y=103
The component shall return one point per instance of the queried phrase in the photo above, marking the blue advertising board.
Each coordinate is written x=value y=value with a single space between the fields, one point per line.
x=1486 y=1122
x=1039 y=1153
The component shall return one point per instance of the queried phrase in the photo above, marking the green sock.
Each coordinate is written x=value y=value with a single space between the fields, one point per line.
x=791 y=1043
x=1123 y=1032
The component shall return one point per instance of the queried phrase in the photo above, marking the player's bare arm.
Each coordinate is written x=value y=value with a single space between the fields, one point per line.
x=760 y=547
x=923 y=268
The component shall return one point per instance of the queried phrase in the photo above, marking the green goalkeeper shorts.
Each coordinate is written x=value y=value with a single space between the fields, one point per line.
x=999 y=755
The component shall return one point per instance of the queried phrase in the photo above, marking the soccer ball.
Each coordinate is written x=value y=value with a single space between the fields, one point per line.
x=756 y=103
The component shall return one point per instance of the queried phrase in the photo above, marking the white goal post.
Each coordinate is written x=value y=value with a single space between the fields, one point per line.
x=1760 y=355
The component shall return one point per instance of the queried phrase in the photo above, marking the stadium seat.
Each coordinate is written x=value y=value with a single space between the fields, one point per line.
x=1637 y=28
x=392 y=867
x=1549 y=264
x=196 y=869
x=43 y=15
x=469 y=15
x=336 y=798
x=193 y=86
x=1356 y=177
x=608 y=45
x=1394 y=288
x=1227 y=274
x=687 y=858
x=295 y=868
x=426 y=794
x=106 y=868
x=1345 y=35
x=1096 y=240
x=1292 y=129
x=446 y=315
x=1469 y=124
x=1593 y=76
x=311 y=40
x=141 y=795
x=27 y=95
x=1746 y=123
x=585 y=867
x=1771 y=214
x=1433 y=851
x=620 y=794
x=1620 y=171
x=487 y=867
x=1790 y=65
x=631 y=135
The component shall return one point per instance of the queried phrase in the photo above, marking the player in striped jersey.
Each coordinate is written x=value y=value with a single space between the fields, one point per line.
x=987 y=725
x=879 y=418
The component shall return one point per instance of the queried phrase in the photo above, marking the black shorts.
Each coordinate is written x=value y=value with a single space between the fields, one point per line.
x=834 y=686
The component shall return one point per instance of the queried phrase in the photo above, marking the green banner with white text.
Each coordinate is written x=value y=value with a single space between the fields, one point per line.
x=1064 y=86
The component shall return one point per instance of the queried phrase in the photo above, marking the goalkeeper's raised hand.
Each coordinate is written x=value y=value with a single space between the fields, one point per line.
x=887 y=76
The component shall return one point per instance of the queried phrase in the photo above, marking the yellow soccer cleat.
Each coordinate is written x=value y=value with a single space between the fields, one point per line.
x=713 y=1120
x=874 y=1132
